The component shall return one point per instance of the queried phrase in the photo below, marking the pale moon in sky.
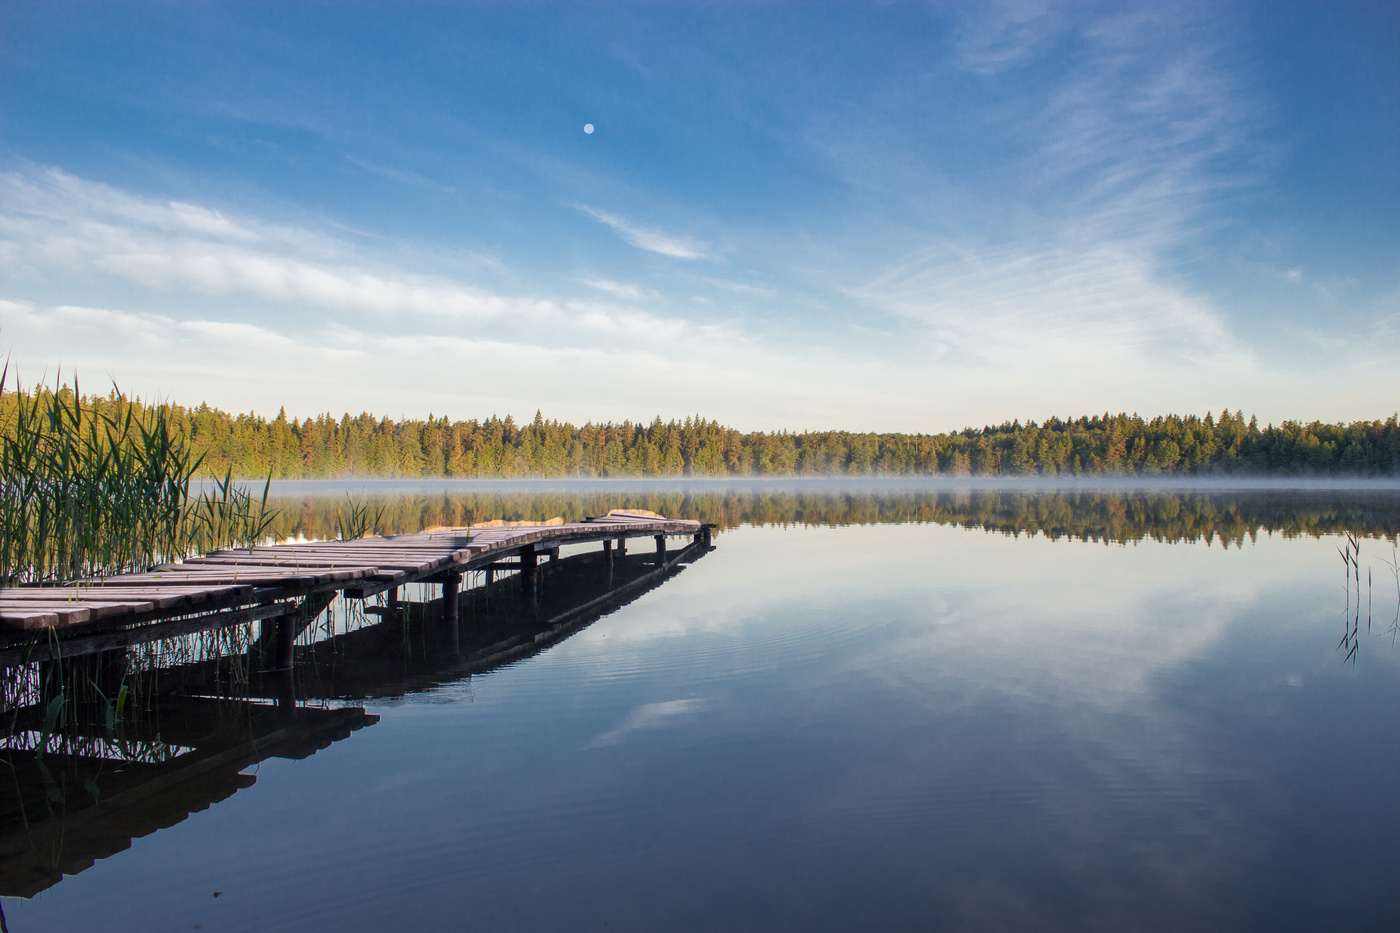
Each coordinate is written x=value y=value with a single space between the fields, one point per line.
x=588 y=127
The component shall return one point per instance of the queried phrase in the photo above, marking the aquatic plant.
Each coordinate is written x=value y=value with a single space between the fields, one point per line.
x=357 y=520
x=1351 y=620
x=227 y=516
x=86 y=492
x=1392 y=564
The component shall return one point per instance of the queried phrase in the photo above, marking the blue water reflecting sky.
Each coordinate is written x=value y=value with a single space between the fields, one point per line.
x=883 y=726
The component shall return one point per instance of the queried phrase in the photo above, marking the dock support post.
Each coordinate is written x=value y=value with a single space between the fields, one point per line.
x=450 y=591
x=607 y=552
x=490 y=575
x=529 y=579
x=702 y=537
x=285 y=646
x=621 y=547
x=394 y=598
x=660 y=550
x=285 y=685
x=111 y=670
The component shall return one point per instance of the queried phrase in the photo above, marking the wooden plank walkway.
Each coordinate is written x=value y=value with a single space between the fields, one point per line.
x=249 y=584
x=410 y=649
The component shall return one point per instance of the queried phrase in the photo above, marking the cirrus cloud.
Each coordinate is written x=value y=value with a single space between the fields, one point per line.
x=651 y=239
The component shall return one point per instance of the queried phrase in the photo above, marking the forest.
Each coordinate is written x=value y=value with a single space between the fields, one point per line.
x=251 y=446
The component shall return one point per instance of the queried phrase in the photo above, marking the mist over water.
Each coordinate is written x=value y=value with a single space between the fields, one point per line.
x=872 y=705
x=1116 y=510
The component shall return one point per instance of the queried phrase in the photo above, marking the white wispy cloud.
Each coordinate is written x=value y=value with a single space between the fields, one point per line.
x=1004 y=33
x=742 y=288
x=50 y=219
x=249 y=336
x=201 y=304
x=338 y=365
x=400 y=176
x=1136 y=137
x=652 y=239
x=621 y=290
x=1081 y=304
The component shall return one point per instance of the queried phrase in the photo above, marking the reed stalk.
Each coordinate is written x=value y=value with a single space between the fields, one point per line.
x=357 y=519
x=87 y=493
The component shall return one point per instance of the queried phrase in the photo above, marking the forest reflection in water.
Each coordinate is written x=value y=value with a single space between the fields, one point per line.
x=1119 y=513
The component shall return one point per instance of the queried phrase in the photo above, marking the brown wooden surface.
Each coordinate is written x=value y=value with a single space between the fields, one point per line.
x=233 y=577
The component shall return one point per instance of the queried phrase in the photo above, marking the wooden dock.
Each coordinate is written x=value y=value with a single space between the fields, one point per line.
x=292 y=583
x=405 y=649
x=193 y=726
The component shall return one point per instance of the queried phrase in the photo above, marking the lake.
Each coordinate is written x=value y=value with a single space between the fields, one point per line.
x=881 y=706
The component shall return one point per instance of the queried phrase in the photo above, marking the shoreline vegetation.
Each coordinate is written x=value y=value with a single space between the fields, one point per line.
x=96 y=485
x=250 y=446
x=92 y=490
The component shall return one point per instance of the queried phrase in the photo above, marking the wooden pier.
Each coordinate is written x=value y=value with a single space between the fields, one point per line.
x=293 y=583
x=409 y=648
x=193 y=726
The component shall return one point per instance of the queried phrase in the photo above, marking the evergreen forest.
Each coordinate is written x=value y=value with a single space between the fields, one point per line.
x=251 y=446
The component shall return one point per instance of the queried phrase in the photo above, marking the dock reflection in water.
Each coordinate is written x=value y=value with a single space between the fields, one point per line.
x=105 y=748
x=94 y=789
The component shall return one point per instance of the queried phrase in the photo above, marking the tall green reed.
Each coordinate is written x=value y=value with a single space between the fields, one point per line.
x=227 y=515
x=88 y=492
x=357 y=519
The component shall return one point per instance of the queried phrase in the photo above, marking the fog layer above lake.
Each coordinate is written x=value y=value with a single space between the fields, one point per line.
x=1228 y=511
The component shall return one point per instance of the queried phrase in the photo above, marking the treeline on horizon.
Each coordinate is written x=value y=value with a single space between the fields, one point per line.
x=254 y=447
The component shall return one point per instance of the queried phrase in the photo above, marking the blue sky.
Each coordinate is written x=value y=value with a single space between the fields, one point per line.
x=865 y=216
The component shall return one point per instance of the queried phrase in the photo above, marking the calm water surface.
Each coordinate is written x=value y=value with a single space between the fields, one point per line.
x=890 y=725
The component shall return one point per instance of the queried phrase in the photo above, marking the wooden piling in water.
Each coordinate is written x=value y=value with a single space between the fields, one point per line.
x=450 y=597
x=284 y=649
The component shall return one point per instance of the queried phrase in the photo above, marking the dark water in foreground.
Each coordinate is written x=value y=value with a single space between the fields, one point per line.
x=884 y=725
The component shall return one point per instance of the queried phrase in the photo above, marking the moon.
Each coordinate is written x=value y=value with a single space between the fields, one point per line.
x=588 y=127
